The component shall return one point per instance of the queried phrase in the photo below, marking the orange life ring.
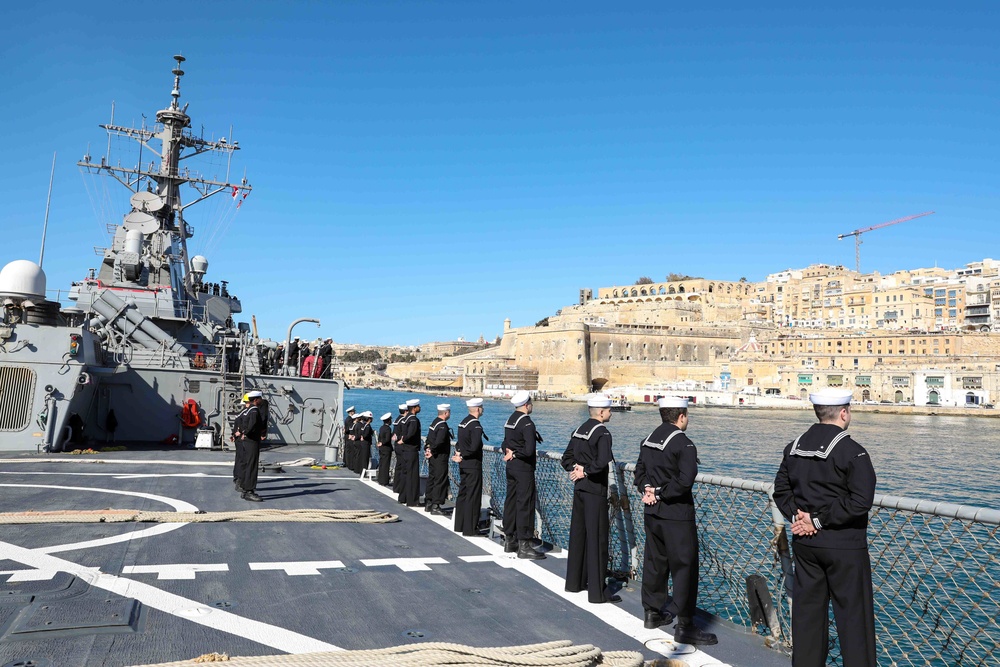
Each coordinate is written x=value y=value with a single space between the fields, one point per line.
x=189 y=414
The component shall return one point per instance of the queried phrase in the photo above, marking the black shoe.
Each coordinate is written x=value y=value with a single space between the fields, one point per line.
x=655 y=619
x=613 y=599
x=535 y=543
x=509 y=544
x=252 y=497
x=692 y=634
x=428 y=506
x=437 y=511
x=526 y=552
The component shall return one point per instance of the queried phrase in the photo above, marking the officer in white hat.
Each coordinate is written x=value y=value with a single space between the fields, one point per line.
x=349 y=436
x=825 y=487
x=384 y=440
x=587 y=459
x=437 y=449
x=363 y=435
x=249 y=429
x=519 y=440
x=409 y=437
x=664 y=474
x=469 y=456
x=397 y=445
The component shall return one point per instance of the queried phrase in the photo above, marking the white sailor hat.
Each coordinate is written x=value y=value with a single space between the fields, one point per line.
x=520 y=398
x=444 y=406
x=672 y=402
x=402 y=406
x=474 y=403
x=350 y=409
x=254 y=394
x=831 y=396
x=367 y=414
x=598 y=401
x=387 y=415
x=413 y=402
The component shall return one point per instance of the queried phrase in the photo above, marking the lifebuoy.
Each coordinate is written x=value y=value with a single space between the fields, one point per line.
x=189 y=414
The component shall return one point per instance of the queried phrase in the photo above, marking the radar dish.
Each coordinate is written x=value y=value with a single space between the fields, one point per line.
x=142 y=222
x=148 y=202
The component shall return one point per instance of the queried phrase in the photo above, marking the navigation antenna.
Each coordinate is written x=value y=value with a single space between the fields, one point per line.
x=858 y=232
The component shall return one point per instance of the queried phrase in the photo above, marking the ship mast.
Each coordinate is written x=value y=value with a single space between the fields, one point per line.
x=163 y=214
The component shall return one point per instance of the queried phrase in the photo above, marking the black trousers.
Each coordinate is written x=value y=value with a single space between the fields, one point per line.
x=238 y=461
x=249 y=463
x=384 y=464
x=409 y=485
x=397 y=475
x=364 y=456
x=469 y=502
x=519 y=505
x=843 y=576
x=671 y=550
x=587 y=560
x=437 y=479
x=349 y=454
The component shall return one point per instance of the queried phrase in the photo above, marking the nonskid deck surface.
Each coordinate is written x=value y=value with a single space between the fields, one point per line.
x=68 y=591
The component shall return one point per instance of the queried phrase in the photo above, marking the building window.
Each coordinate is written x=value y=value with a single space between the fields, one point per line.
x=972 y=383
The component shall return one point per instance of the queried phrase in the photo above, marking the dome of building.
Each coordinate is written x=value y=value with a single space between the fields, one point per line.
x=22 y=278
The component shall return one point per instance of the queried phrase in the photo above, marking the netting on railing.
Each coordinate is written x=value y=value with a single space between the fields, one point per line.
x=935 y=567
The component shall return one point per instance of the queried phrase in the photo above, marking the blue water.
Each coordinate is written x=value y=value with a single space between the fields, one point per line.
x=950 y=459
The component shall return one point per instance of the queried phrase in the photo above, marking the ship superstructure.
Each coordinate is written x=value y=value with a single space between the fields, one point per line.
x=150 y=352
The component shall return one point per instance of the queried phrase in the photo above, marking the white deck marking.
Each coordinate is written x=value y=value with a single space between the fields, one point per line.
x=405 y=564
x=299 y=568
x=217 y=619
x=177 y=571
x=612 y=615
x=29 y=575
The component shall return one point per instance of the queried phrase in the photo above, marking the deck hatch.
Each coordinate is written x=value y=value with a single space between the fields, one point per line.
x=17 y=389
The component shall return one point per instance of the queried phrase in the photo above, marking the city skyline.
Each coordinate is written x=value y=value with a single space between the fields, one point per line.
x=423 y=172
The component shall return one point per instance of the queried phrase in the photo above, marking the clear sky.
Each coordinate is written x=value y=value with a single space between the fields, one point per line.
x=423 y=170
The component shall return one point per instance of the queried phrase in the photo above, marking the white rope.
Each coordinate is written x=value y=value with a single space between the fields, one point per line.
x=138 y=516
x=550 y=654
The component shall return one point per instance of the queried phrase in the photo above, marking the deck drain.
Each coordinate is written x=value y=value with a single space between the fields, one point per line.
x=403 y=546
x=345 y=570
x=30 y=662
x=224 y=604
x=474 y=591
x=416 y=634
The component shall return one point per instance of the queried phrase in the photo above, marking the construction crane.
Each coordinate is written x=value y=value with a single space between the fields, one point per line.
x=858 y=232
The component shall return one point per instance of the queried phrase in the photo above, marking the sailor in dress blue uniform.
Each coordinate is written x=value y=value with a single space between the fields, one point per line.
x=826 y=486
x=437 y=449
x=397 y=445
x=409 y=437
x=664 y=474
x=469 y=456
x=519 y=441
x=385 y=449
x=587 y=459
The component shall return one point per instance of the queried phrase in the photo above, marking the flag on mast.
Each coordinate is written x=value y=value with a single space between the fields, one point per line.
x=240 y=202
x=236 y=191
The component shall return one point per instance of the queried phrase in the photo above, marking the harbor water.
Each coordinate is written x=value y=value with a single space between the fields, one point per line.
x=940 y=458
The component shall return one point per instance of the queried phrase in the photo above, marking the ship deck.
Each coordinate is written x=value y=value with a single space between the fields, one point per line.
x=68 y=591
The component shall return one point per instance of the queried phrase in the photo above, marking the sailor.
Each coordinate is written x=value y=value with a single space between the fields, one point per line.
x=519 y=440
x=825 y=487
x=252 y=429
x=397 y=443
x=587 y=459
x=664 y=474
x=240 y=454
x=293 y=358
x=469 y=457
x=437 y=449
x=385 y=449
x=326 y=357
x=349 y=438
x=409 y=437
x=363 y=436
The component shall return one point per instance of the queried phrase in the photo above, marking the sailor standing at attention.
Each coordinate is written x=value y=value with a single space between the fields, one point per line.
x=587 y=459
x=251 y=430
x=409 y=435
x=385 y=449
x=397 y=444
x=469 y=457
x=349 y=438
x=664 y=474
x=825 y=487
x=519 y=440
x=363 y=435
x=240 y=453
x=437 y=450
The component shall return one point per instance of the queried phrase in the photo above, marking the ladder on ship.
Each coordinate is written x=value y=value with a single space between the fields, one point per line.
x=233 y=383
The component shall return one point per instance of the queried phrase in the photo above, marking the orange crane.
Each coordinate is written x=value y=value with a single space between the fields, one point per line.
x=858 y=232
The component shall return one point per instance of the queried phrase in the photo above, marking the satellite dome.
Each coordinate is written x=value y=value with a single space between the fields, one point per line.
x=199 y=264
x=22 y=278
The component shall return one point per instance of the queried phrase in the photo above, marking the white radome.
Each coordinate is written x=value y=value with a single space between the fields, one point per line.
x=22 y=278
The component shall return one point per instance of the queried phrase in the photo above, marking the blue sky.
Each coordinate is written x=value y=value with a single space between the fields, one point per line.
x=423 y=170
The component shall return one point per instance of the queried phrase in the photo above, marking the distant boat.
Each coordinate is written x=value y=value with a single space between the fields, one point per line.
x=620 y=405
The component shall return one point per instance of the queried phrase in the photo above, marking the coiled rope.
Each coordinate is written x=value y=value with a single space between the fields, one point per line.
x=550 y=654
x=139 y=516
